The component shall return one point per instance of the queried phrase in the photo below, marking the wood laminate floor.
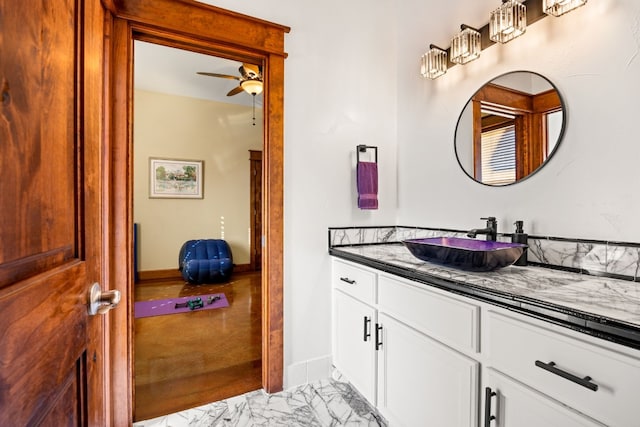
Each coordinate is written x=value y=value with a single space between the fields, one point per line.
x=189 y=359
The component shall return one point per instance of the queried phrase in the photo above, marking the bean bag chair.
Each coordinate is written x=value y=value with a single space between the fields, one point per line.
x=205 y=261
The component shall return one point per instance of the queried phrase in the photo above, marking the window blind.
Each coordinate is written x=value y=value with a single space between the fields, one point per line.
x=498 y=156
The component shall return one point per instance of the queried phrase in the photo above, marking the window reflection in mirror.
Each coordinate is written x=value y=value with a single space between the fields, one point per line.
x=509 y=128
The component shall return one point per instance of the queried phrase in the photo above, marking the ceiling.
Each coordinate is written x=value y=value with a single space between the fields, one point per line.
x=173 y=71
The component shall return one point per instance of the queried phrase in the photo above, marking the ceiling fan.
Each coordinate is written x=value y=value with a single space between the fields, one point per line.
x=250 y=79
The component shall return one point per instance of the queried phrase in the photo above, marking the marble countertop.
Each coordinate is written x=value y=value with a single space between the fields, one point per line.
x=600 y=306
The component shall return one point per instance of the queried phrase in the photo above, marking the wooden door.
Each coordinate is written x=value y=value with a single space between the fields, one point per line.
x=52 y=363
x=255 y=170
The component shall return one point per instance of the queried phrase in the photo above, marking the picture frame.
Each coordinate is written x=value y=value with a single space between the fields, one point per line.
x=175 y=178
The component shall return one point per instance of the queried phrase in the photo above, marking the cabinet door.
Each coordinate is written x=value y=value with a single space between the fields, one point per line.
x=353 y=347
x=421 y=382
x=516 y=405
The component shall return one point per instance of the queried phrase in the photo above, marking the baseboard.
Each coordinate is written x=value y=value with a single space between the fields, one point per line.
x=171 y=274
x=308 y=371
x=241 y=268
x=174 y=273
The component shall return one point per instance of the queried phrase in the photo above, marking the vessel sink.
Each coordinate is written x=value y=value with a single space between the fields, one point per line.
x=465 y=254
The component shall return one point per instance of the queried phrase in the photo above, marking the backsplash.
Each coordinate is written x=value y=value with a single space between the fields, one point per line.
x=615 y=259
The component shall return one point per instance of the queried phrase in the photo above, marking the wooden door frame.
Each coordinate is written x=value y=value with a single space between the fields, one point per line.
x=194 y=26
x=255 y=157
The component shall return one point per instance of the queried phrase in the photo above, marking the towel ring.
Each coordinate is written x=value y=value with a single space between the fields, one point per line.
x=363 y=149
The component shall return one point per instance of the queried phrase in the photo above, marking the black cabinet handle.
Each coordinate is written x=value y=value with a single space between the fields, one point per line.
x=378 y=336
x=349 y=281
x=367 y=328
x=584 y=382
x=488 y=394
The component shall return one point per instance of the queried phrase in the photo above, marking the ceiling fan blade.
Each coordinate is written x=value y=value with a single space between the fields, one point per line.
x=235 y=91
x=224 y=76
x=250 y=70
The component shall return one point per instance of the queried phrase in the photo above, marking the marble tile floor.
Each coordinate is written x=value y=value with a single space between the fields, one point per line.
x=326 y=403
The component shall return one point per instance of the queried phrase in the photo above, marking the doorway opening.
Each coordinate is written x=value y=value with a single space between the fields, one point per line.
x=185 y=119
x=187 y=25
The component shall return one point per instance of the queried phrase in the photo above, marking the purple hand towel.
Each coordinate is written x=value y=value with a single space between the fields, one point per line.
x=367 y=183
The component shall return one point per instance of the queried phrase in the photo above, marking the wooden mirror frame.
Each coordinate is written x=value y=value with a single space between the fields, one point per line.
x=201 y=28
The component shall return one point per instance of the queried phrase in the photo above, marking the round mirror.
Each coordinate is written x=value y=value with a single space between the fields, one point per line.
x=509 y=128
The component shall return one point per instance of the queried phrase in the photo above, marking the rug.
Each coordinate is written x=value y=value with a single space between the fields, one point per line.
x=160 y=307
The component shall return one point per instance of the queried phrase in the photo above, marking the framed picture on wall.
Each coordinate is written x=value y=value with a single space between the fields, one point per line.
x=175 y=179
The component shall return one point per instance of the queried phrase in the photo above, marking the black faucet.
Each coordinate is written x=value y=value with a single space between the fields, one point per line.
x=491 y=230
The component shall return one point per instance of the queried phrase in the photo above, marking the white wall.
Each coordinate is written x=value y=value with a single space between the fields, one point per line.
x=352 y=77
x=339 y=92
x=221 y=135
x=589 y=189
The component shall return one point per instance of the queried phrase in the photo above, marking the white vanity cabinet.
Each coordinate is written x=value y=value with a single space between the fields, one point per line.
x=573 y=369
x=354 y=320
x=418 y=377
x=423 y=376
x=429 y=357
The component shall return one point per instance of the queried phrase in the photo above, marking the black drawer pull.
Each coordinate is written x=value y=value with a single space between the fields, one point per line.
x=349 y=281
x=367 y=328
x=488 y=394
x=584 y=382
x=378 y=336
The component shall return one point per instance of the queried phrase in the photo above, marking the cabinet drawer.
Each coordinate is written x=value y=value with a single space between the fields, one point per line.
x=530 y=353
x=356 y=281
x=449 y=320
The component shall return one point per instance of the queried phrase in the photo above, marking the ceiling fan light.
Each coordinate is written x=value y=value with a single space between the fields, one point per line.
x=252 y=87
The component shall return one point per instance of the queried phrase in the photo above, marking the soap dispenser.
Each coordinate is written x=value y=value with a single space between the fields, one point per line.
x=519 y=236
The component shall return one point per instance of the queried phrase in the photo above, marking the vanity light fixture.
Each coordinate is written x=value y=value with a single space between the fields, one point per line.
x=560 y=7
x=508 y=21
x=465 y=46
x=434 y=62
